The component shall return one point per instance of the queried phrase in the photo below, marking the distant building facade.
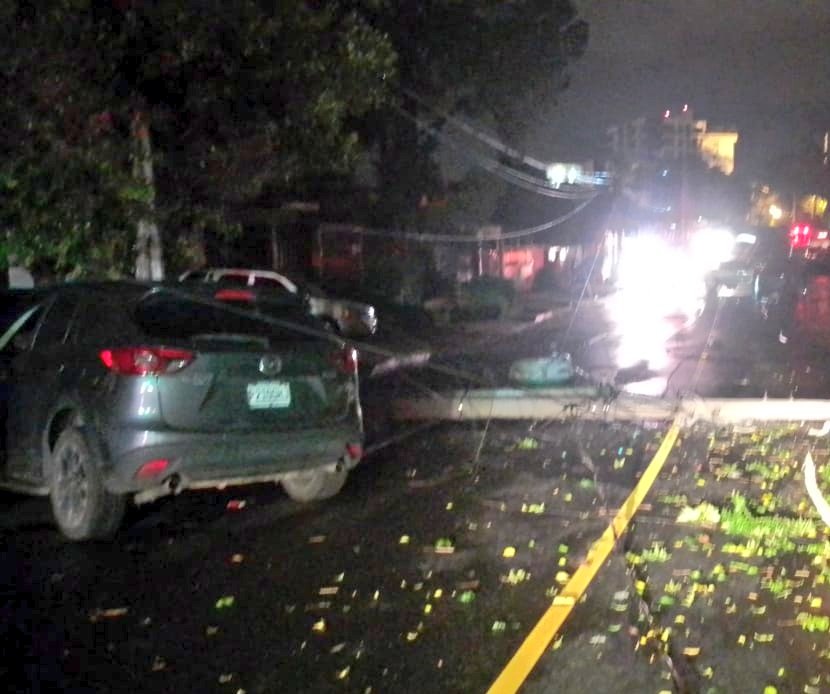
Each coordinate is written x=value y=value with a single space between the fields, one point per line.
x=672 y=137
x=718 y=150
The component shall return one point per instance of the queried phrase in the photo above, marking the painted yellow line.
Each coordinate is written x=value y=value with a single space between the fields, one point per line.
x=534 y=646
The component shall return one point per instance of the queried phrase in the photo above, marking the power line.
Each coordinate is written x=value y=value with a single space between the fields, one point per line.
x=480 y=135
x=458 y=238
x=494 y=143
x=507 y=173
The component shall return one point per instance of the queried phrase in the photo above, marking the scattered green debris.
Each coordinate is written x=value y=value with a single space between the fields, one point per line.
x=780 y=588
x=729 y=471
x=769 y=472
x=444 y=545
x=673 y=587
x=812 y=622
x=657 y=553
x=516 y=576
x=702 y=514
x=666 y=601
x=527 y=444
x=466 y=597
x=739 y=520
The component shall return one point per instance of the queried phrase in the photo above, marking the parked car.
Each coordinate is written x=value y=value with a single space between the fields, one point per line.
x=733 y=279
x=350 y=318
x=759 y=267
x=779 y=280
x=117 y=390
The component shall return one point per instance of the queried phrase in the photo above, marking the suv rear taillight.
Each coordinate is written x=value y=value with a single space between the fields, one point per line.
x=145 y=361
x=346 y=360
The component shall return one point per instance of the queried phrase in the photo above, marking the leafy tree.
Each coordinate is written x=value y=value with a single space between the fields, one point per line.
x=505 y=62
x=242 y=100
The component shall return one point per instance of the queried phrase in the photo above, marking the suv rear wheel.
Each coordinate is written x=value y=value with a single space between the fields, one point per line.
x=312 y=485
x=83 y=508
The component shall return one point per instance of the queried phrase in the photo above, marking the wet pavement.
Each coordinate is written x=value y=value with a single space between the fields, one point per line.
x=424 y=575
x=444 y=549
x=724 y=348
x=433 y=565
x=721 y=585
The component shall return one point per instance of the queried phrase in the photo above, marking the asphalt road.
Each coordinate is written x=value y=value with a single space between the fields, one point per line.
x=728 y=348
x=428 y=570
x=424 y=575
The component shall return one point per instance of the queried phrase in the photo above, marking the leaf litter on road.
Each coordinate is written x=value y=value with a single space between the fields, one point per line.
x=751 y=502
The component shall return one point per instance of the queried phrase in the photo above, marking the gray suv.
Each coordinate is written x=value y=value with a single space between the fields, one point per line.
x=112 y=391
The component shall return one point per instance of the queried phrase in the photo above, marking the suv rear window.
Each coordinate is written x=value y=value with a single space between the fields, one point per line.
x=104 y=318
x=166 y=317
x=55 y=327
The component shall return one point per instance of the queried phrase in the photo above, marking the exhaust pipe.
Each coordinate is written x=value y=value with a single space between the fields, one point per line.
x=172 y=485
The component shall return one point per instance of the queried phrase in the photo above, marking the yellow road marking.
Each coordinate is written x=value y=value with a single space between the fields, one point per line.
x=531 y=650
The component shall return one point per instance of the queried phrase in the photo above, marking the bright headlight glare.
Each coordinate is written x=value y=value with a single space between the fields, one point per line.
x=711 y=247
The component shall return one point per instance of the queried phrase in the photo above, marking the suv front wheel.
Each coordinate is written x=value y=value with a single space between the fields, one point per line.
x=83 y=508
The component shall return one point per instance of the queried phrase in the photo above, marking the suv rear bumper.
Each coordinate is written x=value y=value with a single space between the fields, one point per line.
x=221 y=459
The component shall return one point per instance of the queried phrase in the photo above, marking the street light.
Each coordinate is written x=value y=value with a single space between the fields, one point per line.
x=775 y=212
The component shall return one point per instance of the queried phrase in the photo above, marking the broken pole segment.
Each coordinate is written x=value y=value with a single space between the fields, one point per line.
x=597 y=403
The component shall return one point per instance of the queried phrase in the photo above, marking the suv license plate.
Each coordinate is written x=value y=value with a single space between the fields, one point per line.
x=267 y=395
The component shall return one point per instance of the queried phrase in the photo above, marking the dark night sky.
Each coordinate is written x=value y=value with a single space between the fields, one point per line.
x=760 y=65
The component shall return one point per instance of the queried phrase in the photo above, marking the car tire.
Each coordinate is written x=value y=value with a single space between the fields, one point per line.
x=82 y=506
x=314 y=485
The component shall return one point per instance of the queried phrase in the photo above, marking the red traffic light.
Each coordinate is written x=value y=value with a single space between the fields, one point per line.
x=800 y=235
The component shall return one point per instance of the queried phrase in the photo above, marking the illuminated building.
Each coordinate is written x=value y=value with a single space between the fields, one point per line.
x=673 y=136
x=717 y=148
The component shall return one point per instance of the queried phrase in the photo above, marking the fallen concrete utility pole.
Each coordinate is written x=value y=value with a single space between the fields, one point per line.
x=597 y=404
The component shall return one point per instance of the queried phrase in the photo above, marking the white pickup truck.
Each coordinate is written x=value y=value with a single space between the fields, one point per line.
x=350 y=318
